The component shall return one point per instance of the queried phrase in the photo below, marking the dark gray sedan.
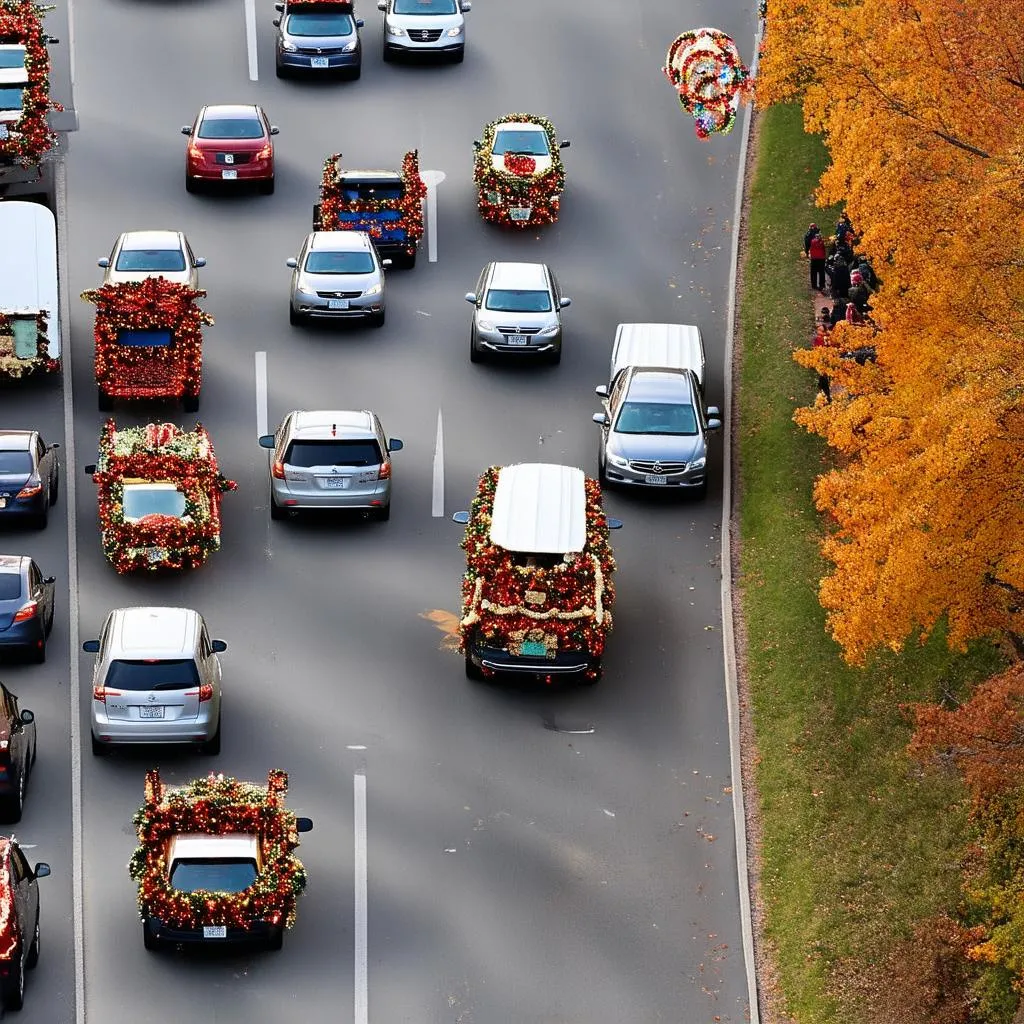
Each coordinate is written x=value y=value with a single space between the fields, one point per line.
x=28 y=477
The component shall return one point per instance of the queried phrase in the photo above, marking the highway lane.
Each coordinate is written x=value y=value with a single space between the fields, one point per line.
x=533 y=856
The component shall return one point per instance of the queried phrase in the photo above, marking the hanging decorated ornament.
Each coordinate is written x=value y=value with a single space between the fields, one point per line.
x=704 y=67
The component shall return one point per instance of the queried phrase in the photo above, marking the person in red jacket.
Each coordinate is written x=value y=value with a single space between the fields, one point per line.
x=816 y=252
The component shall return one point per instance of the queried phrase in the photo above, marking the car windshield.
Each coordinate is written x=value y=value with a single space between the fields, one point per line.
x=353 y=190
x=150 y=259
x=656 y=418
x=306 y=454
x=521 y=140
x=319 y=25
x=425 y=7
x=517 y=300
x=231 y=128
x=10 y=97
x=13 y=57
x=152 y=674
x=15 y=463
x=213 y=875
x=10 y=586
x=322 y=262
x=152 y=499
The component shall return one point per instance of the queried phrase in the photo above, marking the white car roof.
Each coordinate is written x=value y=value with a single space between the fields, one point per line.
x=153 y=632
x=321 y=423
x=541 y=508
x=155 y=239
x=201 y=846
x=519 y=126
x=28 y=264
x=519 y=275
x=340 y=241
x=665 y=346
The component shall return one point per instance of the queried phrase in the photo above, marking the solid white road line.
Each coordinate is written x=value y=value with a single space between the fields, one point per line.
x=261 y=394
x=431 y=179
x=250 y=38
x=437 y=493
x=361 y=1014
x=70 y=479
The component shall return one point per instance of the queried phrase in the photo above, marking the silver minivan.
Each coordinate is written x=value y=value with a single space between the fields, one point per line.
x=156 y=679
x=429 y=28
x=517 y=311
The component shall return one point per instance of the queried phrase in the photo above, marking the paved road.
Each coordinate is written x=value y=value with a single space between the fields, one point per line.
x=532 y=856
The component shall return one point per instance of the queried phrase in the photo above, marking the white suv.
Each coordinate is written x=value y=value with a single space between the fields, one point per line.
x=424 y=27
x=156 y=680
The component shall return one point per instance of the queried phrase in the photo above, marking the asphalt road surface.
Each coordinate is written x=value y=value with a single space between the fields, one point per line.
x=532 y=856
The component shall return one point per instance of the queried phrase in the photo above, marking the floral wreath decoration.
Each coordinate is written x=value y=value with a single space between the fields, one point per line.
x=14 y=366
x=566 y=606
x=517 y=183
x=414 y=191
x=159 y=452
x=8 y=928
x=24 y=142
x=216 y=805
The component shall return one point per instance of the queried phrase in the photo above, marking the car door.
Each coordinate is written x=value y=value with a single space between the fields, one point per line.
x=15 y=730
x=26 y=898
x=190 y=263
x=41 y=590
x=45 y=461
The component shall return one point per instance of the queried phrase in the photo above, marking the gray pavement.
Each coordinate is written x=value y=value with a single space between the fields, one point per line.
x=532 y=856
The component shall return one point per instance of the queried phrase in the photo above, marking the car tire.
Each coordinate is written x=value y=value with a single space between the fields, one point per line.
x=475 y=355
x=14 y=986
x=275 y=940
x=33 y=951
x=212 y=746
x=378 y=318
x=701 y=492
x=98 y=749
x=149 y=940
x=39 y=653
x=267 y=187
x=355 y=73
x=295 y=319
x=190 y=185
x=40 y=521
x=103 y=401
x=280 y=72
x=276 y=512
x=409 y=261
x=382 y=515
x=460 y=56
x=190 y=403
x=472 y=670
x=49 y=622
x=555 y=357
x=11 y=807
x=54 y=491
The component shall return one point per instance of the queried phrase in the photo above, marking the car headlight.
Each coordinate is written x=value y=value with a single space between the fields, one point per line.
x=306 y=293
x=698 y=463
x=289 y=47
x=395 y=30
x=349 y=47
x=485 y=325
x=457 y=31
x=374 y=289
x=618 y=460
x=548 y=331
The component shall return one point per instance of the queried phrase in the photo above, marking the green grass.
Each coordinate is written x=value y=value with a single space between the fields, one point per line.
x=857 y=844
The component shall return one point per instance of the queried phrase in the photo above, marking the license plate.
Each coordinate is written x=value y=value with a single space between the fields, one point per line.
x=655 y=478
x=340 y=482
x=215 y=931
x=319 y=62
x=229 y=175
x=517 y=339
x=533 y=649
x=147 y=712
x=337 y=303
x=521 y=212
x=156 y=554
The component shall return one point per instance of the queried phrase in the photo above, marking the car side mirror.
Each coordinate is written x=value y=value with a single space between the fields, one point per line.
x=279 y=8
x=53 y=447
x=600 y=419
x=713 y=410
x=477 y=144
x=276 y=22
x=50 y=579
x=274 y=130
x=199 y=261
x=218 y=646
x=360 y=23
x=41 y=870
x=386 y=263
x=613 y=524
x=90 y=470
x=395 y=445
x=714 y=424
x=267 y=441
x=303 y=824
x=470 y=297
x=466 y=6
x=601 y=391
x=382 y=5
x=27 y=717
x=462 y=518
x=565 y=301
x=91 y=647
x=564 y=144
x=104 y=263
x=186 y=129
x=291 y=262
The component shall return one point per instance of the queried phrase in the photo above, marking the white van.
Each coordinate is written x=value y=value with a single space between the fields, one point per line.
x=658 y=347
x=28 y=286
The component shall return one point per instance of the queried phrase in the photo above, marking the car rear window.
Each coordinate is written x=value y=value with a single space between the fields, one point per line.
x=656 y=418
x=140 y=500
x=10 y=586
x=231 y=128
x=150 y=259
x=353 y=190
x=15 y=462
x=517 y=300
x=152 y=674
x=306 y=454
x=322 y=262
x=196 y=874
x=319 y=25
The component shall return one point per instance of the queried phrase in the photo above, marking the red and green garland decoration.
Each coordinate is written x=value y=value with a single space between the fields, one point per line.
x=8 y=925
x=149 y=371
x=159 y=452
x=410 y=206
x=25 y=141
x=13 y=366
x=565 y=607
x=517 y=184
x=218 y=805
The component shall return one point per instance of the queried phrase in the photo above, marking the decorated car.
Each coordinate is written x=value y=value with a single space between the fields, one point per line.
x=25 y=344
x=25 y=135
x=216 y=861
x=387 y=205
x=518 y=171
x=160 y=492
x=149 y=341
x=537 y=593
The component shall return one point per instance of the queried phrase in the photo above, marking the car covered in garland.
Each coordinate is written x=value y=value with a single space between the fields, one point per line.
x=19 y=920
x=160 y=492
x=149 y=342
x=215 y=862
x=537 y=593
x=387 y=205
x=518 y=171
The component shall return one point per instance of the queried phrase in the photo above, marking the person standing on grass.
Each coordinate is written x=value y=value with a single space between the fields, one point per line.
x=816 y=252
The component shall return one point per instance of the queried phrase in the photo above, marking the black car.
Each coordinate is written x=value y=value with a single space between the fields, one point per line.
x=19 y=921
x=318 y=39
x=28 y=477
x=17 y=754
x=26 y=606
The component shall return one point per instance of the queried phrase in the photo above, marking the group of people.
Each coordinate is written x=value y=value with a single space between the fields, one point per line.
x=851 y=281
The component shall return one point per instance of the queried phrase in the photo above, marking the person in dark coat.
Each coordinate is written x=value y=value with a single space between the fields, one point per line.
x=844 y=230
x=838 y=311
x=858 y=293
x=811 y=232
x=844 y=251
x=839 y=277
x=867 y=273
x=816 y=252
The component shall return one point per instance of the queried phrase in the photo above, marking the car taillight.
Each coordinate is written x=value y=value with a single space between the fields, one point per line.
x=277 y=470
x=101 y=693
x=4 y=744
x=26 y=612
x=205 y=692
x=265 y=153
x=195 y=153
x=31 y=489
x=384 y=473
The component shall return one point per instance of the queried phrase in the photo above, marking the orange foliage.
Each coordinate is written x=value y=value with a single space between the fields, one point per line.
x=922 y=106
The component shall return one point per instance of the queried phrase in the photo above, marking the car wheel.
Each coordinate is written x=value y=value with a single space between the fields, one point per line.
x=275 y=940
x=409 y=260
x=11 y=807
x=14 y=986
x=49 y=622
x=701 y=492
x=33 y=951
x=460 y=56
x=276 y=512
x=190 y=185
x=104 y=401
x=555 y=357
x=39 y=653
x=385 y=54
x=295 y=319
x=190 y=403
x=353 y=75
x=212 y=746
x=40 y=521
x=382 y=515
x=472 y=670
x=149 y=940
x=267 y=187
x=54 y=489
x=378 y=319
x=98 y=749
x=280 y=72
x=475 y=355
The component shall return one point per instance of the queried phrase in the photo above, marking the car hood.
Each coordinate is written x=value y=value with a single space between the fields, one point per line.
x=517 y=319
x=654 y=447
x=121 y=276
x=337 y=282
x=11 y=483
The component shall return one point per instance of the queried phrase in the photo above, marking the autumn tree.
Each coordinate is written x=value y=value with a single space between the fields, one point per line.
x=921 y=103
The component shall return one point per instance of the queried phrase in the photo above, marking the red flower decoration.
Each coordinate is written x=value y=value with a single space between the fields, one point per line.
x=519 y=163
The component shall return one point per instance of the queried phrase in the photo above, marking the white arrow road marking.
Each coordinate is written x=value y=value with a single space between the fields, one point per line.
x=361 y=1013
x=431 y=179
x=261 y=394
x=250 y=38
x=437 y=495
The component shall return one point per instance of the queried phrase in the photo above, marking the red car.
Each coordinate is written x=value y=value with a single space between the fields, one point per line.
x=230 y=143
